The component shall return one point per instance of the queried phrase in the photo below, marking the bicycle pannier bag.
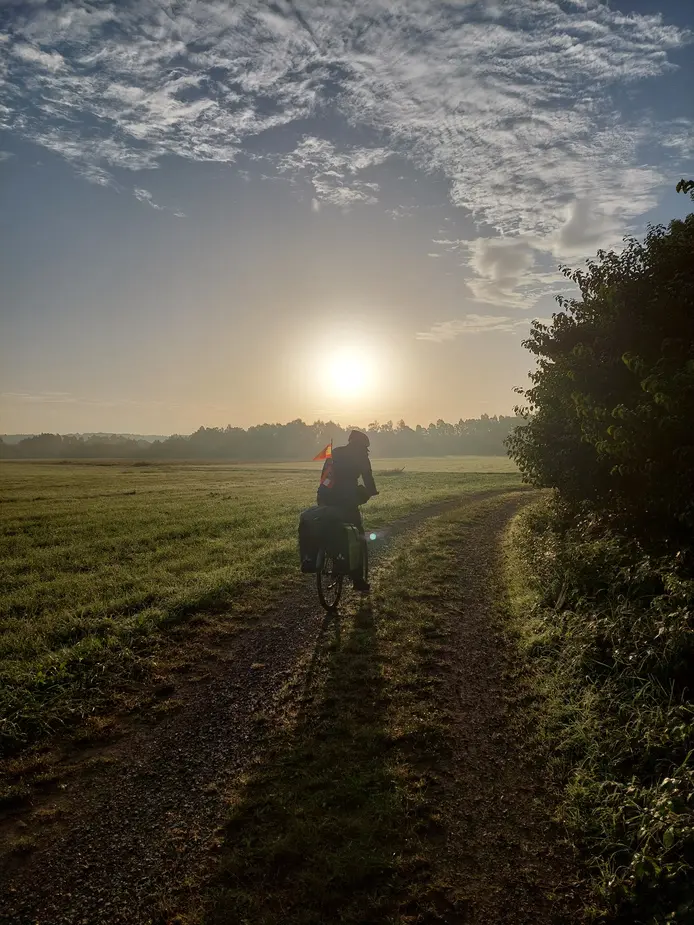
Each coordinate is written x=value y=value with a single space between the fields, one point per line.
x=318 y=526
x=344 y=546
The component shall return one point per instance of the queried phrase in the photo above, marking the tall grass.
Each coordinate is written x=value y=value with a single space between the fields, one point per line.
x=609 y=630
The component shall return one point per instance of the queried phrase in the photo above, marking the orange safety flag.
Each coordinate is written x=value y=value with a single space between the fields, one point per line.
x=326 y=453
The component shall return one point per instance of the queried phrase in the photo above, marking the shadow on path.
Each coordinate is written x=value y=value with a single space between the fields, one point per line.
x=314 y=833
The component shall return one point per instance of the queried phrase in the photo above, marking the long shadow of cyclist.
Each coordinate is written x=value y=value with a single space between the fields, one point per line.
x=314 y=834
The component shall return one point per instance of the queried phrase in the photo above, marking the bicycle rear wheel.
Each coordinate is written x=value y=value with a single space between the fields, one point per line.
x=329 y=584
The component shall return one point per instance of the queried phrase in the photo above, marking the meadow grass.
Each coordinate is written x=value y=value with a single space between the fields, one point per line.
x=99 y=562
x=473 y=464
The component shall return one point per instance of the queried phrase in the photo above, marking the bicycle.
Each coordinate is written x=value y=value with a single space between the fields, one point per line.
x=329 y=582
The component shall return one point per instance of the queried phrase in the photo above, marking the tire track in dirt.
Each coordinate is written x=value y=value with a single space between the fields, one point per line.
x=503 y=852
x=129 y=834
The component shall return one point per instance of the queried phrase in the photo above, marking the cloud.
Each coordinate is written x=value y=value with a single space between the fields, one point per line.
x=584 y=230
x=68 y=398
x=502 y=261
x=515 y=271
x=48 y=397
x=503 y=271
x=334 y=174
x=444 y=331
x=50 y=61
x=95 y=174
x=5 y=156
x=513 y=102
x=143 y=195
x=515 y=111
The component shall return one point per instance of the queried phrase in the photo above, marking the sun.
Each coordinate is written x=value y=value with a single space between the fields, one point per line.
x=349 y=372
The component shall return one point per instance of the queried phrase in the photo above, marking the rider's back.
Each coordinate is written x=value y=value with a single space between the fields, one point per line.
x=340 y=486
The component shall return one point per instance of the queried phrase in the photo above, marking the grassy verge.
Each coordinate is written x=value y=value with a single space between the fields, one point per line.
x=340 y=822
x=609 y=633
x=100 y=566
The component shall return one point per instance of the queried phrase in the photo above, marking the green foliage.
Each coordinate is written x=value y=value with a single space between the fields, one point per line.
x=610 y=408
x=610 y=629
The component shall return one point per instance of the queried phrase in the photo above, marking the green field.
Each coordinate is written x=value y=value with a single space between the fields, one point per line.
x=98 y=563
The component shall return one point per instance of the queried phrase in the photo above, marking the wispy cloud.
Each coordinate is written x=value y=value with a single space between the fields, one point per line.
x=144 y=195
x=5 y=156
x=444 y=331
x=512 y=101
x=333 y=174
x=95 y=174
x=68 y=398
x=47 y=398
x=50 y=61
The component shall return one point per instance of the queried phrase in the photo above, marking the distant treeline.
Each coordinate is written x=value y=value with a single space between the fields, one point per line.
x=293 y=441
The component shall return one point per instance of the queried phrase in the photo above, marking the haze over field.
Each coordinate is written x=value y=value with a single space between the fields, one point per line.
x=218 y=213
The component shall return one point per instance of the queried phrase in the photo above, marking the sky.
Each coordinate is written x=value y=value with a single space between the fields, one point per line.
x=222 y=213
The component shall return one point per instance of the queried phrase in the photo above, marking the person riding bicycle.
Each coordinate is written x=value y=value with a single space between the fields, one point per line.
x=339 y=487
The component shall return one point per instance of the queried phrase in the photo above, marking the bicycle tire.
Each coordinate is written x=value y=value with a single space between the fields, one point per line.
x=329 y=585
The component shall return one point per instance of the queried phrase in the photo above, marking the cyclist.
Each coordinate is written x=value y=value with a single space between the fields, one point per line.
x=339 y=488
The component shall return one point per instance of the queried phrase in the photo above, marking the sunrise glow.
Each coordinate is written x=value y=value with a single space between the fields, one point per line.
x=350 y=372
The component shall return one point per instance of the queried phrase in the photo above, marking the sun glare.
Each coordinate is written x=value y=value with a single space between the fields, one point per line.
x=350 y=372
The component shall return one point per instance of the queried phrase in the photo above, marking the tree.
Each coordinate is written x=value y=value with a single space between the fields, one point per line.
x=608 y=416
x=294 y=440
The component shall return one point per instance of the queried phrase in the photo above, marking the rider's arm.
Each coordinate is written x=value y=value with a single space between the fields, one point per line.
x=368 y=477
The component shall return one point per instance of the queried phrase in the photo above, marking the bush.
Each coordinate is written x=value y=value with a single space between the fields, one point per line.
x=612 y=631
x=608 y=416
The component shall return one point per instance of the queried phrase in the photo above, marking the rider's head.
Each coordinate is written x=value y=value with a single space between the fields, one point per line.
x=357 y=438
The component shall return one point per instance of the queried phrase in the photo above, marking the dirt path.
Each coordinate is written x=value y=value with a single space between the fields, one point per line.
x=502 y=853
x=122 y=839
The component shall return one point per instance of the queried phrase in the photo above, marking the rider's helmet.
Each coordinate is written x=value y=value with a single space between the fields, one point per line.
x=359 y=438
